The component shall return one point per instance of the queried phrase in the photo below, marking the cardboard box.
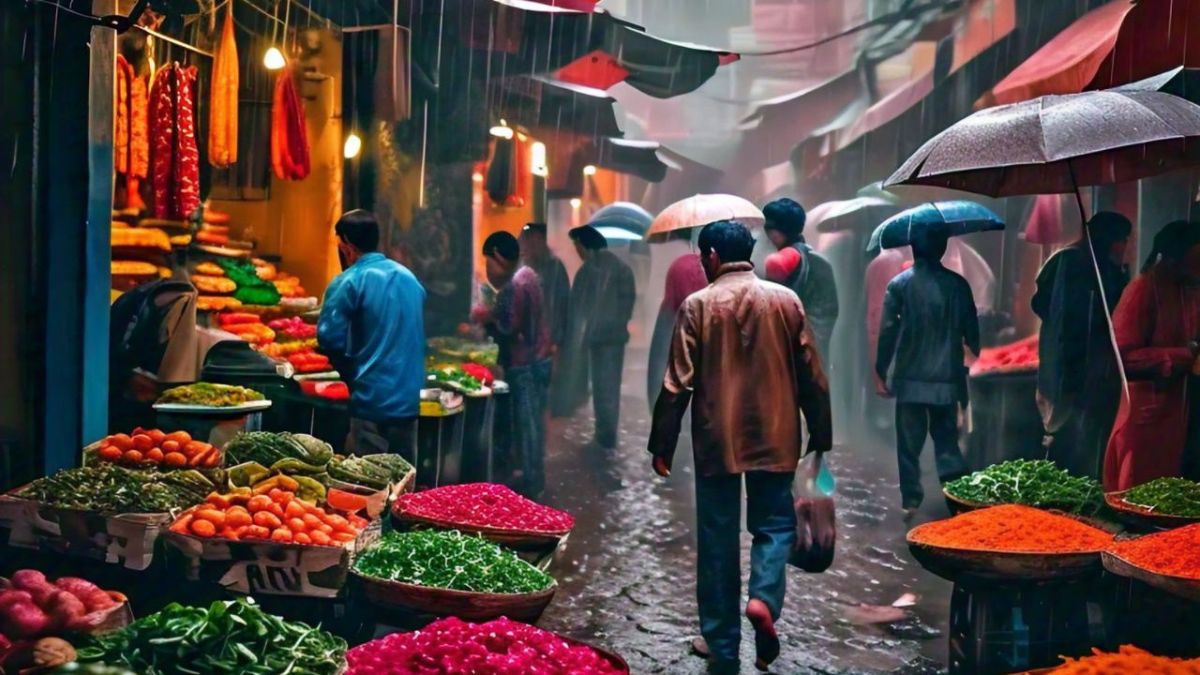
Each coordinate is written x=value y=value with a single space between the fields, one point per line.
x=126 y=539
x=267 y=568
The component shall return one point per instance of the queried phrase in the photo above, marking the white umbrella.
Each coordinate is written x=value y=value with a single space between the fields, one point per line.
x=700 y=210
x=617 y=234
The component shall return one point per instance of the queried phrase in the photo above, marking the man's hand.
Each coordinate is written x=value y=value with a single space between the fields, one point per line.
x=661 y=467
x=881 y=388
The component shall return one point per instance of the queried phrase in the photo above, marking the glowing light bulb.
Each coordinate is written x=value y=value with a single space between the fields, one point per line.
x=502 y=130
x=537 y=160
x=477 y=177
x=589 y=170
x=352 y=147
x=273 y=59
x=576 y=202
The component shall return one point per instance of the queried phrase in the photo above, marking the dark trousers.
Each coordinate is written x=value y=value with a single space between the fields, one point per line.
x=607 y=363
x=529 y=386
x=771 y=520
x=397 y=436
x=915 y=421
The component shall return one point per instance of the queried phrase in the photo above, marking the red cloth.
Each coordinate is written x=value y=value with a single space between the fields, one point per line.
x=781 y=264
x=1154 y=322
x=684 y=277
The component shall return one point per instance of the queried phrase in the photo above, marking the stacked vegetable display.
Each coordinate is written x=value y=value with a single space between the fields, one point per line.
x=32 y=607
x=111 y=489
x=454 y=647
x=210 y=395
x=482 y=507
x=226 y=637
x=154 y=447
x=277 y=516
x=1018 y=357
x=1037 y=483
x=454 y=377
x=452 y=561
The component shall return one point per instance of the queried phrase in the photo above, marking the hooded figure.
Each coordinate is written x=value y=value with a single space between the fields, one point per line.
x=1157 y=324
x=1079 y=385
x=602 y=300
x=812 y=279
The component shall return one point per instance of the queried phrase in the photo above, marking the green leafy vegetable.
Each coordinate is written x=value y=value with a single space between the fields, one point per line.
x=227 y=637
x=1168 y=496
x=450 y=560
x=1037 y=482
x=109 y=488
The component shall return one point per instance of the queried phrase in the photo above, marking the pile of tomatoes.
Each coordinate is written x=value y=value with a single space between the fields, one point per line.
x=277 y=516
x=154 y=447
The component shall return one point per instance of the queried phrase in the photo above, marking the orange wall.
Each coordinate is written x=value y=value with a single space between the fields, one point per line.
x=296 y=221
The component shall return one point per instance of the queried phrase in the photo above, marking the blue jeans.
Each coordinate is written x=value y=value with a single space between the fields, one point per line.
x=771 y=519
x=530 y=386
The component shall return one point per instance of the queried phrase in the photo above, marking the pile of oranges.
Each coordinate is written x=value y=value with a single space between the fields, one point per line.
x=277 y=516
x=154 y=447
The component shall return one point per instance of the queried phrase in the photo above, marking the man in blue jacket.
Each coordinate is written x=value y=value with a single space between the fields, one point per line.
x=372 y=329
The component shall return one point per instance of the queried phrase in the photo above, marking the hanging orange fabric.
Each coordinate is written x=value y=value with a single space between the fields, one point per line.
x=289 y=131
x=223 y=105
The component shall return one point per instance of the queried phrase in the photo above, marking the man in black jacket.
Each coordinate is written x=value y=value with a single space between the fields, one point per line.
x=928 y=316
x=813 y=278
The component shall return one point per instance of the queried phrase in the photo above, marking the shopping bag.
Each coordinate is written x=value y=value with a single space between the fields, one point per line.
x=816 y=522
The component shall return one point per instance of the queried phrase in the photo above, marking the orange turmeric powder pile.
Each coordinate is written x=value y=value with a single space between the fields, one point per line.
x=1012 y=528
x=1174 y=552
x=1128 y=660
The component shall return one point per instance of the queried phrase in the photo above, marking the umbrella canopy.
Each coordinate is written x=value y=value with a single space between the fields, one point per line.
x=699 y=210
x=625 y=216
x=844 y=214
x=1057 y=143
x=617 y=234
x=949 y=218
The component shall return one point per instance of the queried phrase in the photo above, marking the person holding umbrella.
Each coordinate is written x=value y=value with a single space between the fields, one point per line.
x=928 y=317
x=812 y=278
x=602 y=301
x=1079 y=388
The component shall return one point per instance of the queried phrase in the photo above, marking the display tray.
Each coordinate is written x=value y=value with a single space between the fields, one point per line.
x=186 y=408
x=394 y=595
x=517 y=539
x=952 y=563
x=959 y=505
x=328 y=375
x=1141 y=516
x=1180 y=586
x=379 y=500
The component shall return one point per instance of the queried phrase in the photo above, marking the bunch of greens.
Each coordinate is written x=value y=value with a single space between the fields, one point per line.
x=1168 y=496
x=109 y=488
x=267 y=448
x=373 y=471
x=210 y=394
x=450 y=560
x=455 y=377
x=227 y=637
x=251 y=289
x=1037 y=482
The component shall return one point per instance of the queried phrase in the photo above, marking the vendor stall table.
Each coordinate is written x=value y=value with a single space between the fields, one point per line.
x=1005 y=422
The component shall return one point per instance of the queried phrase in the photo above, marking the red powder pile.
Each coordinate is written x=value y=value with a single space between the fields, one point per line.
x=1012 y=528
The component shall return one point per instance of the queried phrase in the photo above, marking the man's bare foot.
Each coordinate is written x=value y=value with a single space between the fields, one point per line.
x=766 y=640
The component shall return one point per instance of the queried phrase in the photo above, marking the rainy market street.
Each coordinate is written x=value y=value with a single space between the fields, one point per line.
x=628 y=572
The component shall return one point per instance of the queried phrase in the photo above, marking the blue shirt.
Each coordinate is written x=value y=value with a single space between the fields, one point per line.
x=372 y=328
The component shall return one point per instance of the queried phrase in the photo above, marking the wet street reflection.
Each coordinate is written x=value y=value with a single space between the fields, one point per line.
x=628 y=572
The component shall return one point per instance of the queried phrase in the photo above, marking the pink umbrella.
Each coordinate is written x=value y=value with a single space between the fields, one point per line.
x=700 y=210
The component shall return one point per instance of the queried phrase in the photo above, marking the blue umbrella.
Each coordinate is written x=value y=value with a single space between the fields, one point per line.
x=948 y=218
x=623 y=215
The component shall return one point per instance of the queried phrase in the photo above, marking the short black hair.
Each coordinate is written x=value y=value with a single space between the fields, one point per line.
x=730 y=239
x=502 y=244
x=360 y=229
x=534 y=228
x=786 y=216
x=588 y=237
x=1109 y=226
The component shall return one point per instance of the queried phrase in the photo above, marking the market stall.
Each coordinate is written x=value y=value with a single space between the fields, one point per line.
x=1005 y=421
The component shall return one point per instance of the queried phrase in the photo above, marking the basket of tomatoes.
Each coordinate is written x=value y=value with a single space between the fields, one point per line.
x=155 y=448
x=273 y=543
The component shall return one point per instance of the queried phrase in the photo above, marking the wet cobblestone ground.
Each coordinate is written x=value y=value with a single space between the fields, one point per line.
x=628 y=573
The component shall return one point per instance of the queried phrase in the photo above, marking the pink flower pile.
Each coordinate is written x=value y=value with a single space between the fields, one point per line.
x=484 y=505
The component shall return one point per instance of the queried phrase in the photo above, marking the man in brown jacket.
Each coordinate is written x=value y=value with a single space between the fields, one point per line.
x=743 y=357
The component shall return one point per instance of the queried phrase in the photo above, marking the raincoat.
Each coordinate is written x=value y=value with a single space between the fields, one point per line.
x=556 y=295
x=602 y=300
x=684 y=277
x=1159 y=315
x=813 y=282
x=1078 y=381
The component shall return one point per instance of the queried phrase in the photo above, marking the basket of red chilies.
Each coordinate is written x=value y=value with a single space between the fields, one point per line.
x=490 y=510
x=452 y=646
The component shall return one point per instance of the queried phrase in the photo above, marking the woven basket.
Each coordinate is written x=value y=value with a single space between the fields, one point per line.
x=1180 y=586
x=1143 y=517
x=515 y=539
x=394 y=595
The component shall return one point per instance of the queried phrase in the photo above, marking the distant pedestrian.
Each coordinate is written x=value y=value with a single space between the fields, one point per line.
x=684 y=277
x=928 y=317
x=602 y=300
x=742 y=357
x=517 y=321
x=812 y=278
x=556 y=285
x=372 y=328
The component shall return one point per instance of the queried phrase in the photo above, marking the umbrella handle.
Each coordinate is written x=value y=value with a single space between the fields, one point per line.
x=1108 y=321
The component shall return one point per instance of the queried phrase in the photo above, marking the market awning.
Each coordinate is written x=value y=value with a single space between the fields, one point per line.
x=542 y=103
x=1115 y=44
x=636 y=158
x=887 y=109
